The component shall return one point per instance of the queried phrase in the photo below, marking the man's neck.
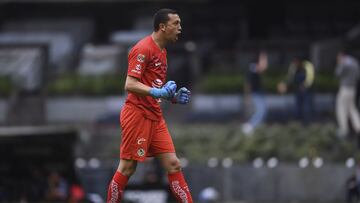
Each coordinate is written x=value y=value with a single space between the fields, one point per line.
x=159 y=41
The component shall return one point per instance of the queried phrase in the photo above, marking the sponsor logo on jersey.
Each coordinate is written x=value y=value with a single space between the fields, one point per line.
x=141 y=140
x=157 y=83
x=135 y=71
x=140 y=58
x=138 y=67
x=140 y=152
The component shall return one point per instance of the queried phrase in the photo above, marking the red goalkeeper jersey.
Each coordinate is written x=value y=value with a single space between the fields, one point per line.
x=148 y=63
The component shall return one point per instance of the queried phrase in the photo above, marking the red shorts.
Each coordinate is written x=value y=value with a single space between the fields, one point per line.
x=142 y=137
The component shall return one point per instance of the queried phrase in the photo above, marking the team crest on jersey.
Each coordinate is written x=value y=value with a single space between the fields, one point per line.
x=140 y=58
x=141 y=152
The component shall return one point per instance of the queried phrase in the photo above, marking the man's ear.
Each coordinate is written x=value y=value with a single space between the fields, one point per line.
x=162 y=26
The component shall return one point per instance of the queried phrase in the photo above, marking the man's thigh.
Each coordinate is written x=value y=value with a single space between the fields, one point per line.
x=161 y=140
x=137 y=132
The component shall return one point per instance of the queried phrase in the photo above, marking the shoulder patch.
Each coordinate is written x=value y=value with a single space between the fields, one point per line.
x=140 y=58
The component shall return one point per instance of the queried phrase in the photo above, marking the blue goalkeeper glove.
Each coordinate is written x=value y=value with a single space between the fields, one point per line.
x=182 y=96
x=166 y=91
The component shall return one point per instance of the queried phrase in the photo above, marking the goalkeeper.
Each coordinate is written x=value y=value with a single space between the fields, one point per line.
x=144 y=131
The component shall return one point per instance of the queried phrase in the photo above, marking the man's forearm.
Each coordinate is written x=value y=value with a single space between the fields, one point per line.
x=135 y=86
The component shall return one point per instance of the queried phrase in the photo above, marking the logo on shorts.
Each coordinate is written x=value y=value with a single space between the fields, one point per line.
x=141 y=140
x=140 y=58
x=141 y=152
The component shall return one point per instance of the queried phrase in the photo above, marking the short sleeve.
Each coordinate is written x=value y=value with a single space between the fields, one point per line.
x=137 y=60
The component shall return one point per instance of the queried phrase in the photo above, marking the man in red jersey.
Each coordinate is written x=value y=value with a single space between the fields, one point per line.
x=144 y=131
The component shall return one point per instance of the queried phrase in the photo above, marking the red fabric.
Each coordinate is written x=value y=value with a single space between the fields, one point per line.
x=116 y=188
x=179 y=187
x=149 y=64
x=142 y=137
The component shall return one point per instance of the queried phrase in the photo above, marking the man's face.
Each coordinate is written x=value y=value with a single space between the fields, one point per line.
x=172 y=28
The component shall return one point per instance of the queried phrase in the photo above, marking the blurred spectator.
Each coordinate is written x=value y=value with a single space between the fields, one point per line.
x=353 y=186
x=352 y=189
x=57 y=187
x=77 y=193
x=347 y=71
x=253 y=92
x=36 y=188
x=300 y=78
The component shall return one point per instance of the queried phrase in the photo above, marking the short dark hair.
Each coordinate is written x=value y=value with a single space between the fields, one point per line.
x=162 y=16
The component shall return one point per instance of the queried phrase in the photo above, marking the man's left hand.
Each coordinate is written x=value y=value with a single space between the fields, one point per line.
x=182 y=96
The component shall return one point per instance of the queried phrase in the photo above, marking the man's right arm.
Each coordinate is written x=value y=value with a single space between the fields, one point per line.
x=133 y=85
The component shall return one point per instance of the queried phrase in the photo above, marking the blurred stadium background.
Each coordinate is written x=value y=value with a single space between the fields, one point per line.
x=62 y=70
